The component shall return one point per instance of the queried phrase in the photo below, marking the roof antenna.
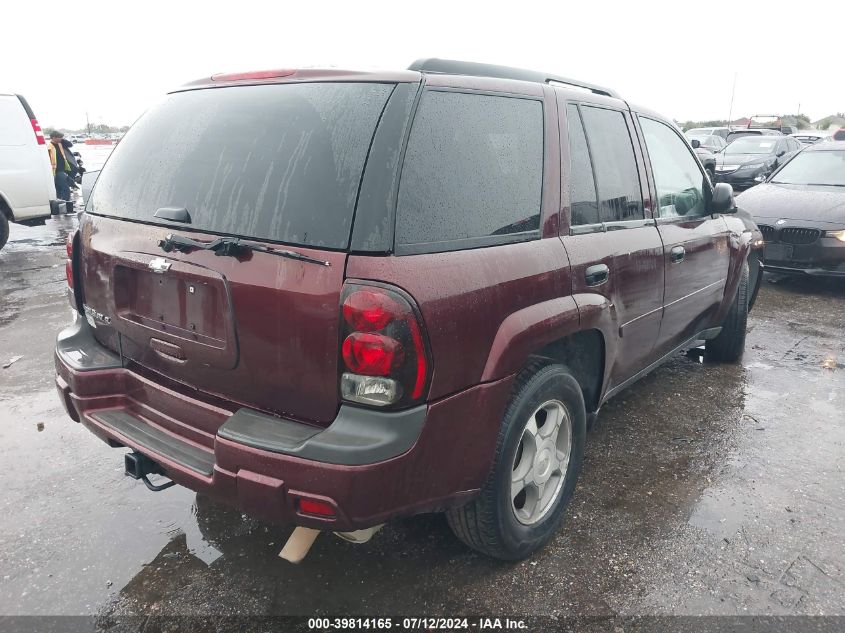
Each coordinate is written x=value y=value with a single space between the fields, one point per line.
x=731 y=109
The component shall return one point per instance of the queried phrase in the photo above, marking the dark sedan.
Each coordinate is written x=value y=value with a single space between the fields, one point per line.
x=800 y=210
x=748 y=160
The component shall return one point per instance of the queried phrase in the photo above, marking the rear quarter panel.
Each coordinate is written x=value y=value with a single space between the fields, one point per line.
x=466 y=296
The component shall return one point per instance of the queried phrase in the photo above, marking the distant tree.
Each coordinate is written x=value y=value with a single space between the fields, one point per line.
x=836 y=120
x=98 y=128
x=800 y=120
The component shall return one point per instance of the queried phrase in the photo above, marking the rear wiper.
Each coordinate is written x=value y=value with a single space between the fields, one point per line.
x=230 y=247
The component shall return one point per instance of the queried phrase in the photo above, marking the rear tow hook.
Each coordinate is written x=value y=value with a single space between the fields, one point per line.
x=138 y=466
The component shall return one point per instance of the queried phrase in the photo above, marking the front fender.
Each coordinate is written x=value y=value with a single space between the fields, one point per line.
x=740 y=245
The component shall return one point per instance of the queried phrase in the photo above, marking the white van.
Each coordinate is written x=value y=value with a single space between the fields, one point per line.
x=27 y=192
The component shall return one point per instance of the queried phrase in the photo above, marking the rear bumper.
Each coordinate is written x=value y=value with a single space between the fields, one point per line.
x=370 y=466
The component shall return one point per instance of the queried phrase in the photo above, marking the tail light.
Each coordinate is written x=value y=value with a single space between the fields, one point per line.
x=39 y=135
x=70 y=249
x=383 y=353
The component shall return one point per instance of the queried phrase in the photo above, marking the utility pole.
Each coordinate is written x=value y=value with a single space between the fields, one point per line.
x=731 y=109
x=88 y=124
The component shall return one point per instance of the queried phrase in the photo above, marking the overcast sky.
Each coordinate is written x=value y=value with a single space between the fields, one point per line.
x=679 y=58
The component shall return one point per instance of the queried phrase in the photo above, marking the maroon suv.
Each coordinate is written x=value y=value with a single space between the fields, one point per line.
x=333 y=298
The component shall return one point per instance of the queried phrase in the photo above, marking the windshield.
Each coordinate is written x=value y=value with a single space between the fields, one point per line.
x=751 y=145
x=814 y=168
x=275 y=162
x=700 y=131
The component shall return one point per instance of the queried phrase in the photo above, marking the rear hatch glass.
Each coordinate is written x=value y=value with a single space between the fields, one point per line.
x=272 y=163
x=275 y=162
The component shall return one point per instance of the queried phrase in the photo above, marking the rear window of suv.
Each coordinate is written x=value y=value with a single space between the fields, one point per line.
x=472 y=174
x=275 y=162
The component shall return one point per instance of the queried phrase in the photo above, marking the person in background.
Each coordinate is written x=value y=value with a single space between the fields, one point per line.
x=70 y=155
x=61 y=165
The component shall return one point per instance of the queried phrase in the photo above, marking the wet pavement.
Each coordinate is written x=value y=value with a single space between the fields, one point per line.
x=707 y=489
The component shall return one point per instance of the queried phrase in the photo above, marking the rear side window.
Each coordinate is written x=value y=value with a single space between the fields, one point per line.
x=473 y=170
x=14 y=128
x=275 y=162
x=620 y=197
x=582 y=191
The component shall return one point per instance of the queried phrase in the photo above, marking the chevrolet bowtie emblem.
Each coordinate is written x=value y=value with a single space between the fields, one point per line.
x=159 y=265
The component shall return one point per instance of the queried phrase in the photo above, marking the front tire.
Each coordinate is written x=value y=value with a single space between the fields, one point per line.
x=538 y=459
x=730 y=344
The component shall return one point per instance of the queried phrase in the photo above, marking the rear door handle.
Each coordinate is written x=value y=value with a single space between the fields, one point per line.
x=677 y=254
x=596 y=275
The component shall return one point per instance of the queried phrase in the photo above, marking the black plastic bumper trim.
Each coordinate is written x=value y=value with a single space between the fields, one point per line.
x=356 y=437
x=145 y=436
x=78 y=348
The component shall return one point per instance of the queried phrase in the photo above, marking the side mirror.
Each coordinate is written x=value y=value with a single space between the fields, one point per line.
x=781 y=153
x=723 y=199
x=695 y=143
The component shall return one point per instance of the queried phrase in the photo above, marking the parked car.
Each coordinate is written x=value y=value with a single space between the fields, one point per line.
x=747 y=161
x=707 y=158
x=708 y=141
x=808 y=137
x=27 y=191
x=800 y=210
x=721 y=132
x=770 y=123
x=740 y=132
x=348 y=297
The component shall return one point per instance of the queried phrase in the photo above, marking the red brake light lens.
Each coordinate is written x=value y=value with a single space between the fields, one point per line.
x=69 y=261
x=371 y=354
x=384 y=361
x=319 y=508
x=257 y=74
x=368 y=311
x=39 y=135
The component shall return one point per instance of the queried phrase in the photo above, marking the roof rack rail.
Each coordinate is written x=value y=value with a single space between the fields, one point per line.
x=455 y=67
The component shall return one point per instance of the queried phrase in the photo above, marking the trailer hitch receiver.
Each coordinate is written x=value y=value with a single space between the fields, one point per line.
x=138 y=466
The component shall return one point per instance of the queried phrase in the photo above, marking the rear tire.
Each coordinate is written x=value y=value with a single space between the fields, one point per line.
x=4 y=230
x=544 y=423
x=712 y=175
x=730 y=344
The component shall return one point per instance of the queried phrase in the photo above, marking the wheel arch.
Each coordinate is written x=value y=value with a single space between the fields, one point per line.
x=573 y=330
x=6 y=208
x=740 y=250
x=583 y=353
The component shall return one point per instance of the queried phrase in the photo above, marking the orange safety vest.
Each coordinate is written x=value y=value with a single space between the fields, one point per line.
x=51 y=150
